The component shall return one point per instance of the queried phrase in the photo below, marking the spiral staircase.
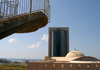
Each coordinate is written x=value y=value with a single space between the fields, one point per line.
x=23 y=16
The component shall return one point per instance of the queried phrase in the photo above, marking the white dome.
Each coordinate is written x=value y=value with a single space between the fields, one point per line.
x=75 y=53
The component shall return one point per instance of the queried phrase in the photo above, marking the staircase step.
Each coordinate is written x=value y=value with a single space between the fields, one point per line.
x=6 y=26
x=24 y=19
x=22 y=24
x=13 y=23
x=1 y=28
x=1 y=24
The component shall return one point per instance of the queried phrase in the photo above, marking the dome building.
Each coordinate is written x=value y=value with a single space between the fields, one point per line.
x=75 y=53
x=74 y=60
x=77 y=57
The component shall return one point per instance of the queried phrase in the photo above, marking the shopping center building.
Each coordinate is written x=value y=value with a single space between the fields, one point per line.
x=74 y=60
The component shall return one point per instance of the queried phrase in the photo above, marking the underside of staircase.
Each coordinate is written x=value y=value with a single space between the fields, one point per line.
x=23 y=23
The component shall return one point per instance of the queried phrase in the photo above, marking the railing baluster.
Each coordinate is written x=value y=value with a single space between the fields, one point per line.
x=4 y=8
x=6 y=11
x=44 y=5
x=11 y=8
x=30 y=7
x=0 y=8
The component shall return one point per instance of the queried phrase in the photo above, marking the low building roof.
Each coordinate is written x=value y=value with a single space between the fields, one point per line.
x=64 y=58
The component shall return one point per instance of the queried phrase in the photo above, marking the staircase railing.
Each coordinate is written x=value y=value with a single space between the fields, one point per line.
x=12 y=8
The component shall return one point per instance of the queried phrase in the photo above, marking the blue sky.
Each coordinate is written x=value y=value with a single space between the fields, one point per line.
x=81 y=16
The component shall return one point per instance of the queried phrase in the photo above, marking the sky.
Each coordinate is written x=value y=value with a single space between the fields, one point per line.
x=81 y=16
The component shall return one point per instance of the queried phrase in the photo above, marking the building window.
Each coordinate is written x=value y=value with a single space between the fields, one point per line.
x=53 y=65
x=86 y=59
x=79 y=65
x=96 y=65
x=70 y=65
x=88 y=65
x=45 y=65
x=62 y=65
x=37 y=65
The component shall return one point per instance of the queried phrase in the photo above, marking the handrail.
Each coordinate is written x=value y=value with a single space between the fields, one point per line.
x=8 y=3
x=12 y=8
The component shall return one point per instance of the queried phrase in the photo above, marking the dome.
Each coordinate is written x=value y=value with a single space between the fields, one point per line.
x=75 y=53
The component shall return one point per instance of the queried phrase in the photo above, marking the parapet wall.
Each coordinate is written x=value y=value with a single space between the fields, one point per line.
x=63 y=66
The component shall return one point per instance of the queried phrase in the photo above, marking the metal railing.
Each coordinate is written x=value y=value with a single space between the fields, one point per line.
x=12 y=8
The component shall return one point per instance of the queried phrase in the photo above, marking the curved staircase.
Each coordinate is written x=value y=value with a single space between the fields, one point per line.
x=25 y=21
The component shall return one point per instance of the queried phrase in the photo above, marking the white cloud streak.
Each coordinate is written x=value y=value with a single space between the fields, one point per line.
x=12 y=40
x=34 y=45
x=38 y=44
x=45 y=37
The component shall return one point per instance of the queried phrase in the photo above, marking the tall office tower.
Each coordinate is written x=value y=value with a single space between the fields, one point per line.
x=58 y=41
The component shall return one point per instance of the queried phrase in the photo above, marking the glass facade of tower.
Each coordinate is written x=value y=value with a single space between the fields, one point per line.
x=58 y=42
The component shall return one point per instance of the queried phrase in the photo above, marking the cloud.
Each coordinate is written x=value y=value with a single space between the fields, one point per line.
x=34 y=45
x=38 y=44
x=12 y=40
x=45 y=37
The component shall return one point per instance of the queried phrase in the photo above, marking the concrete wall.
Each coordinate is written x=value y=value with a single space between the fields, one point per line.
x=63 y=66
